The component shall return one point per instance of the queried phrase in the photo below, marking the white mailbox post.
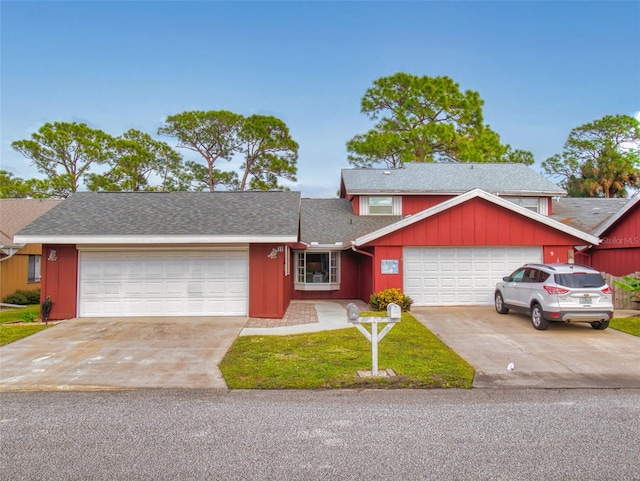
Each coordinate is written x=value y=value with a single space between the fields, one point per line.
x=394 y=313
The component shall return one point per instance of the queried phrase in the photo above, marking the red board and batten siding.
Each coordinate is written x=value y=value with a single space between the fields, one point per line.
x=619 y=251
x=474 y=223
x=59 y=280
x=269 y=292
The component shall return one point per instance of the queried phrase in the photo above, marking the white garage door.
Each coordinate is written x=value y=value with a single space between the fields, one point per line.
x=163 y=283
x=441 y=276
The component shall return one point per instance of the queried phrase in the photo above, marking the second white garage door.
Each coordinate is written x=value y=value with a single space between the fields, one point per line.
x=163 y=283
x=441 y=276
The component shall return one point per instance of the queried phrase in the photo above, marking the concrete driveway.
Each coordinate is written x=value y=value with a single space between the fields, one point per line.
x=564 y=356
x=115 y=353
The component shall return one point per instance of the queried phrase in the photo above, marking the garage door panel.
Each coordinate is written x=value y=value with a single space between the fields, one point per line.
x=163 y=283
x=459 y=276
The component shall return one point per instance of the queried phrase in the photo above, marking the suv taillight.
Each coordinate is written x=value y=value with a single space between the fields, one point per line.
x=606 y=290
x=555 y=290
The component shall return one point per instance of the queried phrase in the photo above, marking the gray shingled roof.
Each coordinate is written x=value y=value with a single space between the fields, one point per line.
x=327 y=221
x=585 y=213
x=450 y=178
x=172 y=214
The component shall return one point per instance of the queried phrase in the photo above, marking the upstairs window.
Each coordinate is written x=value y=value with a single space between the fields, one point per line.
x=380 y=205
x=534 y=204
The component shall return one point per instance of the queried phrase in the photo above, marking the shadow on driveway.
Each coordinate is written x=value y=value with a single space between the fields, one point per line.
x=564 y=356
x=112 y=353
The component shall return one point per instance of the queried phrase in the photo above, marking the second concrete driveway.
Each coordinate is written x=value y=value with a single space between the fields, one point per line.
x=121 y=353
x=564 y=356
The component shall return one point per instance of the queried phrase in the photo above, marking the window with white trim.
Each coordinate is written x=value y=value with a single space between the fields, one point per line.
x=380 y=205
x=317 y=270
x=33 y=274
x=534 y=204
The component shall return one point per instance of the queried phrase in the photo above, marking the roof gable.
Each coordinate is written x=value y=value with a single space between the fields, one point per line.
x=476 y=193
x=449 y=178
x=180 y=217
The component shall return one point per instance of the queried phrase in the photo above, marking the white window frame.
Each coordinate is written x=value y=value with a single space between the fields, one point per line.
x=394 y=205
x=34 y=268
x=534 y=204
x=309 y=281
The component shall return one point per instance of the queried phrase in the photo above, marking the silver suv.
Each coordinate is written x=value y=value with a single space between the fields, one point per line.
x=556 y=292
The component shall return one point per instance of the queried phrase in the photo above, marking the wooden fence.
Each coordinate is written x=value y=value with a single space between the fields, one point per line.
x=620 y=296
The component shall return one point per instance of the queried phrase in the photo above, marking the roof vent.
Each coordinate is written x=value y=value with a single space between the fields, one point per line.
x=386 y=172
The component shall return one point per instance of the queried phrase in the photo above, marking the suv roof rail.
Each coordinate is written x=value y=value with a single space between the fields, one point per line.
x=533 y=264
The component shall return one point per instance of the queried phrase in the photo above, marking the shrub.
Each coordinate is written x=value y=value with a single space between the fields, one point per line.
x=23 y=298
x=28 y=317
x=630 y=284
x=381 y=299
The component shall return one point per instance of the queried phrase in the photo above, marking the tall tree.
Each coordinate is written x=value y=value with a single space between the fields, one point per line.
x=201 y=179
x=65 y=152
x=269 y=152
x=17 y=188
x=600 y=158
x=212 y=134
x=141 y=163
x=426 y=119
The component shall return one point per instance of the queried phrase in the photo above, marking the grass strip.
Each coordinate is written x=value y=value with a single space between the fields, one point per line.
x=331 y=359
x=13 y=333
x=630 y=325
x=20 y=314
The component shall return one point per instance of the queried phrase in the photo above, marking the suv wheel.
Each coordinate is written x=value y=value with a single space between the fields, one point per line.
x=537 y=319
x=600 y=325
x=500 y=304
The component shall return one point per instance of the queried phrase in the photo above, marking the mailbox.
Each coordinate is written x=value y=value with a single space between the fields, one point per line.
x=353 y=313
x=394 y=312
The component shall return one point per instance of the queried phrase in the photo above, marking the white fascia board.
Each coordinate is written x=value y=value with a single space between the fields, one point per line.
x=510 y=193
x=626 y=208
x=448 y=204
x=325 y=247
x=108 y=240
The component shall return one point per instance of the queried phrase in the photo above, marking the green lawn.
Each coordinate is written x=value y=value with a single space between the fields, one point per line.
x=330 y=359
x=630 y=325
x=10 y=333
x=20 y=315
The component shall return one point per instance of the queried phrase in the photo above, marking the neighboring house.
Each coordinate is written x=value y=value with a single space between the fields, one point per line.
x=616 y=222
x=444 y=233
x=19 y=262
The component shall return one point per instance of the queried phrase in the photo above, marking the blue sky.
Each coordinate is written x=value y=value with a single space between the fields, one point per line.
x=542 y=68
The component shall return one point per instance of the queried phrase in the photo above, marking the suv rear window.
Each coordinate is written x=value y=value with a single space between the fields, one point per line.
x=579 y=280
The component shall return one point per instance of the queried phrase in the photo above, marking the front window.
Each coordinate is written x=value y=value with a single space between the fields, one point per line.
x=318 y=270
x=34 y=268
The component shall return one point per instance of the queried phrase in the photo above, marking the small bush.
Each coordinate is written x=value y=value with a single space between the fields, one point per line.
x=380 y=300
x=28 y=317
x=23 y=298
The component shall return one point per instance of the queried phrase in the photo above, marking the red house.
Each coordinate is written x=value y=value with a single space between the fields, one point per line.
x=444 y=233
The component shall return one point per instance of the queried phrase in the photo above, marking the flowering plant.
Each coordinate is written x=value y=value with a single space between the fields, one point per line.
x=381 y=299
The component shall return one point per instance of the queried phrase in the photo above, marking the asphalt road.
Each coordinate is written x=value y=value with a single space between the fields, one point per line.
x=481 y=434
